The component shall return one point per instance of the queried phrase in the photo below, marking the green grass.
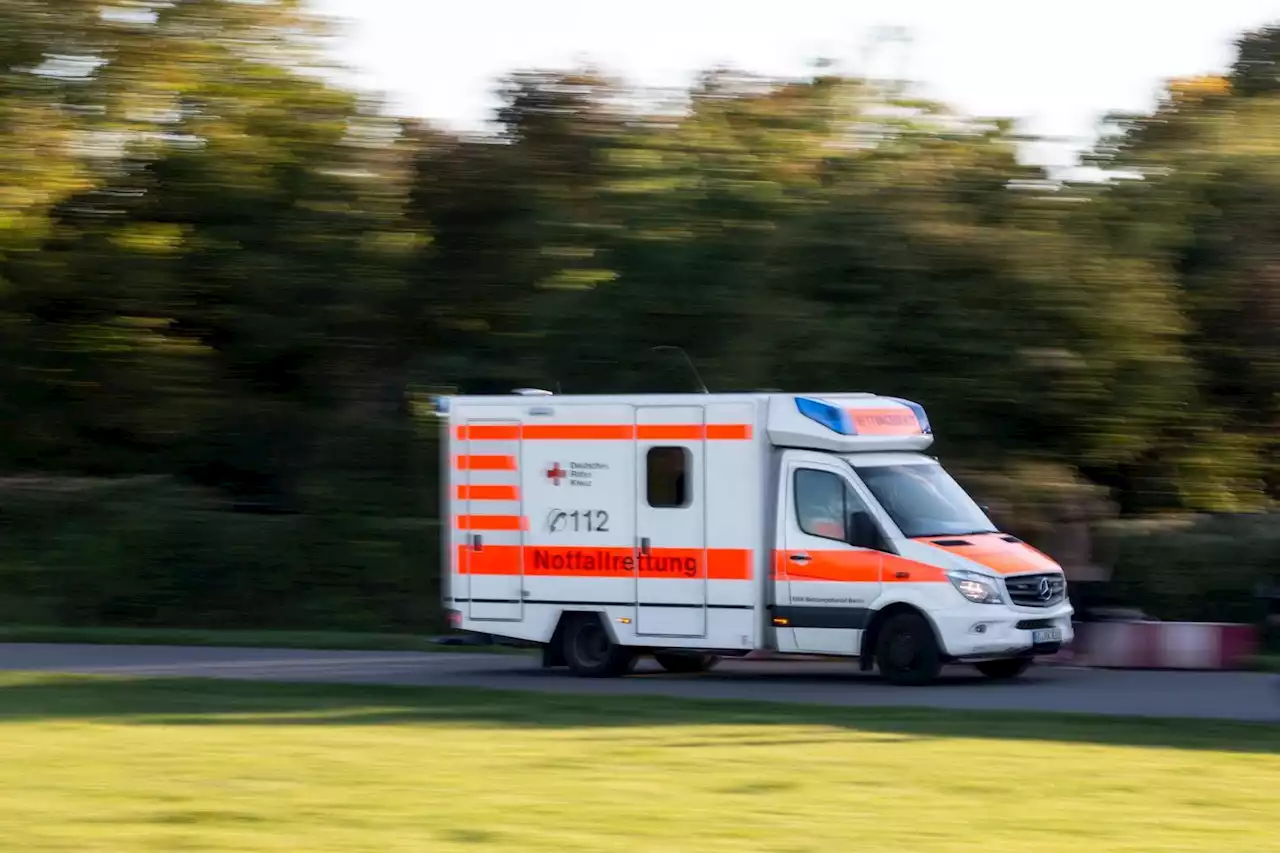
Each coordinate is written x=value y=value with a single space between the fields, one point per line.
x=331 y=640
x=168 y=765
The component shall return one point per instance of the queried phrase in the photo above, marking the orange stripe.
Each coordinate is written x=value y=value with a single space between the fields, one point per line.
x=729 y=564
x=686 y=563
x=489 y=432
x=539 y=561
x=491 y=522
x=853 y=567
x=834 y=566
x=681 y=563
x=897 y=569
x=489 y=560
x=671 y=432
x=728 y=432
x=604 y=432
x=582 y=432
x=694 y=432
x=488 y=493
x=485 y=463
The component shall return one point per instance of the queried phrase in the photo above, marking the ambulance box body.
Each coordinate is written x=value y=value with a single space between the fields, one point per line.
x=694 y=527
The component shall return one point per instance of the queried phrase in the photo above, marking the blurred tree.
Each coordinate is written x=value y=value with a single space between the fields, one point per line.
x=212 y=261
x=1257 y=67
x=243 y=212
x=1207 y=206
x=43 y=50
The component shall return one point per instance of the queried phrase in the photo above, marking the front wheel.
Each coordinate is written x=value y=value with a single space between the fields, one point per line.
x=684 y=662
x=907 y=653
x=1005 y=668
x=590 y=652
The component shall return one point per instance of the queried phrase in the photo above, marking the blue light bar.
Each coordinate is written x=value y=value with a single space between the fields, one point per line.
x=925 y=427
x=832 y=417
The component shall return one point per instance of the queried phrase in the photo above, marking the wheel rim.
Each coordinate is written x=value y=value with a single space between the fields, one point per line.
x=593 y=645
x=903 y=651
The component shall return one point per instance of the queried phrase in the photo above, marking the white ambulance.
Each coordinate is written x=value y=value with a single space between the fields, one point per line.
x=692 y=527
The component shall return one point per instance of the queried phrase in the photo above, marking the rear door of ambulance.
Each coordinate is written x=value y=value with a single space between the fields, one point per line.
x=487 y=523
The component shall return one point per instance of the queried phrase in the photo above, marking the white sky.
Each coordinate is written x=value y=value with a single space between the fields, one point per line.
x=1057 y=66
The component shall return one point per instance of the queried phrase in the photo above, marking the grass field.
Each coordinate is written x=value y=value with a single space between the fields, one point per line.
x=160 y=765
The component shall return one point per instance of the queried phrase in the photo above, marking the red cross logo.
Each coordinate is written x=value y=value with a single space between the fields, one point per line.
x=555 y=473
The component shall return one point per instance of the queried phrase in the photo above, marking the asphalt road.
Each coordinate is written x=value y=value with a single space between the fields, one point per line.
x=1227 y=695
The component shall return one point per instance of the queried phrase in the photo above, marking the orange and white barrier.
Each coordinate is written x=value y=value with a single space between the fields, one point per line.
x=1162 y=645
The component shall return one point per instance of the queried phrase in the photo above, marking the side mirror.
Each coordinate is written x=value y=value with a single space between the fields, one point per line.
x=862 y=532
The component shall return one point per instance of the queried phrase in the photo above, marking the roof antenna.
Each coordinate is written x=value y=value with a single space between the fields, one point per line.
x=696 y=377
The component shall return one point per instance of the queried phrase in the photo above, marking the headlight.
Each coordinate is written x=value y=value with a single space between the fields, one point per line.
x=979 y=589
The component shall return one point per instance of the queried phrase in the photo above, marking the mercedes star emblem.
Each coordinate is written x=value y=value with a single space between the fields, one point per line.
x=1046 y=591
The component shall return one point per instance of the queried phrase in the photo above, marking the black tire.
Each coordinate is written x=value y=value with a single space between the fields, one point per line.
x=907 y=652
x=685 y=662
x=590 y=652
x=1004 y=668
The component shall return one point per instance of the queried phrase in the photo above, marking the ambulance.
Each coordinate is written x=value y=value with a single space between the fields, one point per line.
x=694 y=527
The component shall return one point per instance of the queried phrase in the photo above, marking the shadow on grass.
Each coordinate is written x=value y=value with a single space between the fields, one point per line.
x=201 y=702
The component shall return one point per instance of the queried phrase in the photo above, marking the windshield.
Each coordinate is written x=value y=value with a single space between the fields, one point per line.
x=923 y=500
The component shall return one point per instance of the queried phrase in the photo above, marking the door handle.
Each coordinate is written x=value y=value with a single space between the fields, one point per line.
x=800 y=558
x=644 y=545
x=476 y=542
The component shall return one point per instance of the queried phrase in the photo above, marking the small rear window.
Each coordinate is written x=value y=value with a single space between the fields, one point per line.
x=667 y=477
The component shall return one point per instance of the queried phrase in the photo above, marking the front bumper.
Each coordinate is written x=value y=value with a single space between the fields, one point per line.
x=984 y=631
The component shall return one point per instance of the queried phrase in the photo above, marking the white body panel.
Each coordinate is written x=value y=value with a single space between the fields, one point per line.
x=672 y=603
x=676 y=518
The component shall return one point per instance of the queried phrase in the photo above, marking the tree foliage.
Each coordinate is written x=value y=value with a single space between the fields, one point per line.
x=215 y=264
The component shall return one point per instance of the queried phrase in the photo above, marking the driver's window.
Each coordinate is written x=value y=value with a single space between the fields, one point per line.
x=823 y=503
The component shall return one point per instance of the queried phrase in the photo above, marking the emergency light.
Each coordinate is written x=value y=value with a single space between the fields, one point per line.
x=839 y=421
x=923 y=419
x=832 y=417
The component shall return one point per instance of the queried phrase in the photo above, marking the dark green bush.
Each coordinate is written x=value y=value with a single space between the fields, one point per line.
x=172 y=558
x=150 y=553
x=1195 y=569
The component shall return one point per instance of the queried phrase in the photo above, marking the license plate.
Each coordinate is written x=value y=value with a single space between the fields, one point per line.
x=1047 y=635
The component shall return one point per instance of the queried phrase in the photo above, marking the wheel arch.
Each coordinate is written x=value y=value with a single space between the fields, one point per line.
x=553 y=649
x=867 y=649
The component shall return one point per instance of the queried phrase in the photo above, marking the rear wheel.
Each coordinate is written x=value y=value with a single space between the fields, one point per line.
x=590 y=652
x=907 y=653
x=1004 y=668
x=685 y=662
